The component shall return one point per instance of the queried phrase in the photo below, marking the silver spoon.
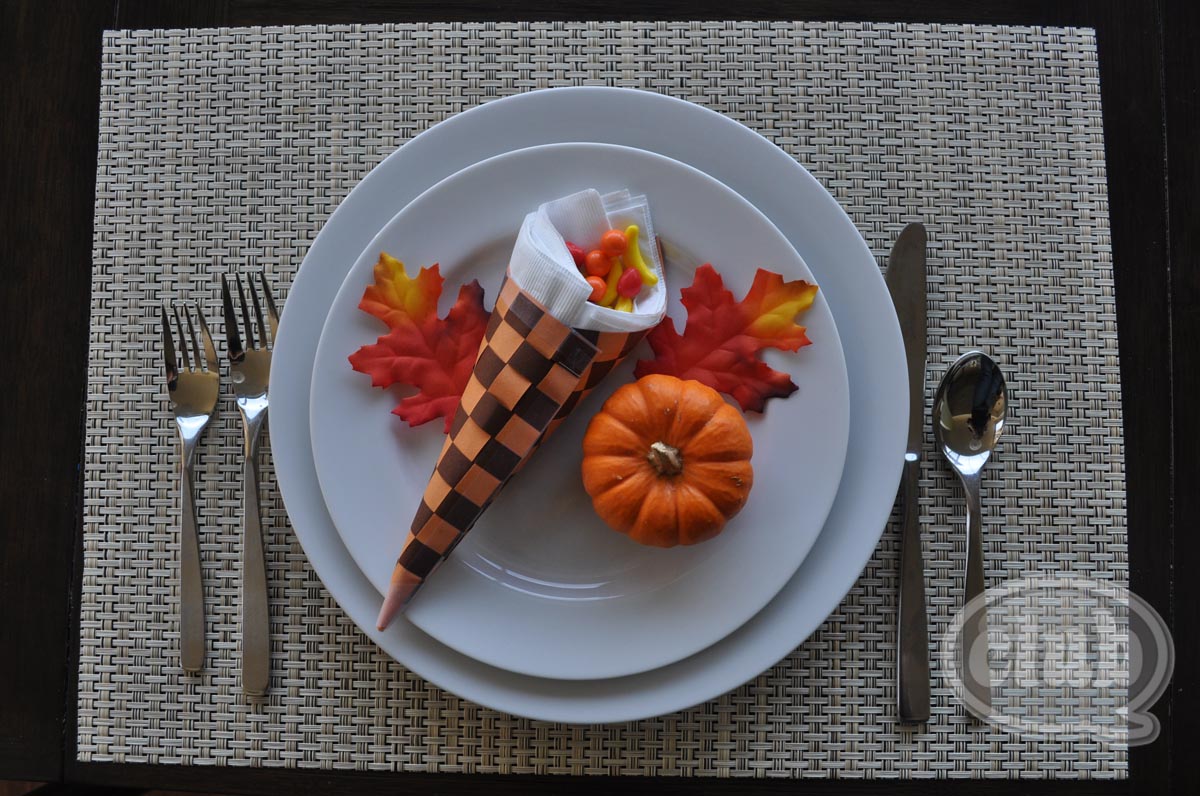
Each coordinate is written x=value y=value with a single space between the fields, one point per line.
x=968 y=417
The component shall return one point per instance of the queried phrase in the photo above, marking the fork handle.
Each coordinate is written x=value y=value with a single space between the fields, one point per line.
x=191 y=588
x=256 y=621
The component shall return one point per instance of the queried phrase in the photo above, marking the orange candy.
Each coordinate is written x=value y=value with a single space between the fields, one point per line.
x=613 y=243
x=597 y=263
x=598 y=287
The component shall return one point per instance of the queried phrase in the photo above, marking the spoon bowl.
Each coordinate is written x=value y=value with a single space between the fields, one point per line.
x=969 y=411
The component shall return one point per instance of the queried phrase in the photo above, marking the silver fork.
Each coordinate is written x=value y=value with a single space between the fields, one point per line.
x=250 y=370
x=193 y=392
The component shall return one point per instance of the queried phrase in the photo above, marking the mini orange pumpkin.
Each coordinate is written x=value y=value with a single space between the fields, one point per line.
x=667 y=461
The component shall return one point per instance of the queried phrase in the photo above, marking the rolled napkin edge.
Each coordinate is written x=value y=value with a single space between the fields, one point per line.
x=542 y=266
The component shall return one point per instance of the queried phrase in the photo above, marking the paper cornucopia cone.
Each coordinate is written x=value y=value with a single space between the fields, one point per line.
x=531 y=372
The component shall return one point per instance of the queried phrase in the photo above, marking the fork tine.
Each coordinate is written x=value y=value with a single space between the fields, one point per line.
x=168 y=346
x=183 y=340
x=262 y=327
x=210 y=351
x=232 y=340
x=272 y=313
x=248 y=329
x=195 y=340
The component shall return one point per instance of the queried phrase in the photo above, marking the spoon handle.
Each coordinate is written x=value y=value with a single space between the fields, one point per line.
x=974 y=648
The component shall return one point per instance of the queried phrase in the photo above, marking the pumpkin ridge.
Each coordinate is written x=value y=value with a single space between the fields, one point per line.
x=616 y=469
x=621 y=422
x=623 y=501
x=697 y=498
x=716 y=457
x=656 y=529
x=689 y=417
x=715 y=439
x=726 y=484
x=655 y=392
x=638 y=418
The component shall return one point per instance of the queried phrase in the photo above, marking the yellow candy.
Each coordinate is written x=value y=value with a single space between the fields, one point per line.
x=610 y=286
x=624 y=304
x=634 y=255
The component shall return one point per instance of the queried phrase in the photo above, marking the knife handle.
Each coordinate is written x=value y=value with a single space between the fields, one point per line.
x=912 y=665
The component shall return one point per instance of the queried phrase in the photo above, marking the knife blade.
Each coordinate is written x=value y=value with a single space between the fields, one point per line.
x=905 y=279
x=906 y=282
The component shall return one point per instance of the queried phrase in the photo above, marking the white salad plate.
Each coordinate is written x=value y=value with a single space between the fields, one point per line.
x=540 y=585
x=818 y=229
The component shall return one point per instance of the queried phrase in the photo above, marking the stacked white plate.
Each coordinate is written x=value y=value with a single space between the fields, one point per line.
x=542 y=611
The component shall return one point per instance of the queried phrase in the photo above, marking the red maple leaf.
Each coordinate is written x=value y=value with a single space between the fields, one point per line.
x=434 y=355
x=722 y=339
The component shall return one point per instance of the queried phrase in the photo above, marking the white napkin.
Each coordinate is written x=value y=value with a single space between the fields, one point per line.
x=544 y=269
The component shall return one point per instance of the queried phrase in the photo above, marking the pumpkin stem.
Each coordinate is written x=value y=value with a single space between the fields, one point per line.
x=666 y=459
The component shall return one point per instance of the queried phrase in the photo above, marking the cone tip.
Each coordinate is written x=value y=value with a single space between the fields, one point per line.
x=400 y=591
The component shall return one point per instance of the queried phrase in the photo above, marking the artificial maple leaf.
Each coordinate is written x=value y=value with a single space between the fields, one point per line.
x=722 y=339
x=434 y=355
x=395 y=298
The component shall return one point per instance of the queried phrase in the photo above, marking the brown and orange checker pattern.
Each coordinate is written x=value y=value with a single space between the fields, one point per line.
x=532 y=370
x=613 y=347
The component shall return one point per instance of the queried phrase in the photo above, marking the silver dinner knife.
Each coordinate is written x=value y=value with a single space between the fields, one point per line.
x=906 y=282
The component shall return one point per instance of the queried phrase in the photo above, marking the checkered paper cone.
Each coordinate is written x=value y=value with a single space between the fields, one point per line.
x=531 y=372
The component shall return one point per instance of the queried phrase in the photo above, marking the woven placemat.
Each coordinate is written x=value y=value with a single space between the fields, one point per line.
x=229 y=148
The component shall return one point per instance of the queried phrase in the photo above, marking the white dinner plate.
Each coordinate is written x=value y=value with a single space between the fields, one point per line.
x=821 y=232
x=541 y=586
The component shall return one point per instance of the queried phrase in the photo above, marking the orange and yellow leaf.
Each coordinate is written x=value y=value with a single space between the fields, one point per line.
x=723 y=338
x=395 y=298
x=434 y=355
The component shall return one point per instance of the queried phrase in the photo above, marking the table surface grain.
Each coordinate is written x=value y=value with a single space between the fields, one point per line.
x=48 y=100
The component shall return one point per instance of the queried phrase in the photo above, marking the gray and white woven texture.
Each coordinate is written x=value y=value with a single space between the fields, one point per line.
x=222 y=149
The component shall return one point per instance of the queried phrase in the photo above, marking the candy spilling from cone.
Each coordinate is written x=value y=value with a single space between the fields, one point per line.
x=546 y=347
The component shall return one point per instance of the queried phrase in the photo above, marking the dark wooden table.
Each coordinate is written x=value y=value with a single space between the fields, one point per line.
x=1150 y=69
